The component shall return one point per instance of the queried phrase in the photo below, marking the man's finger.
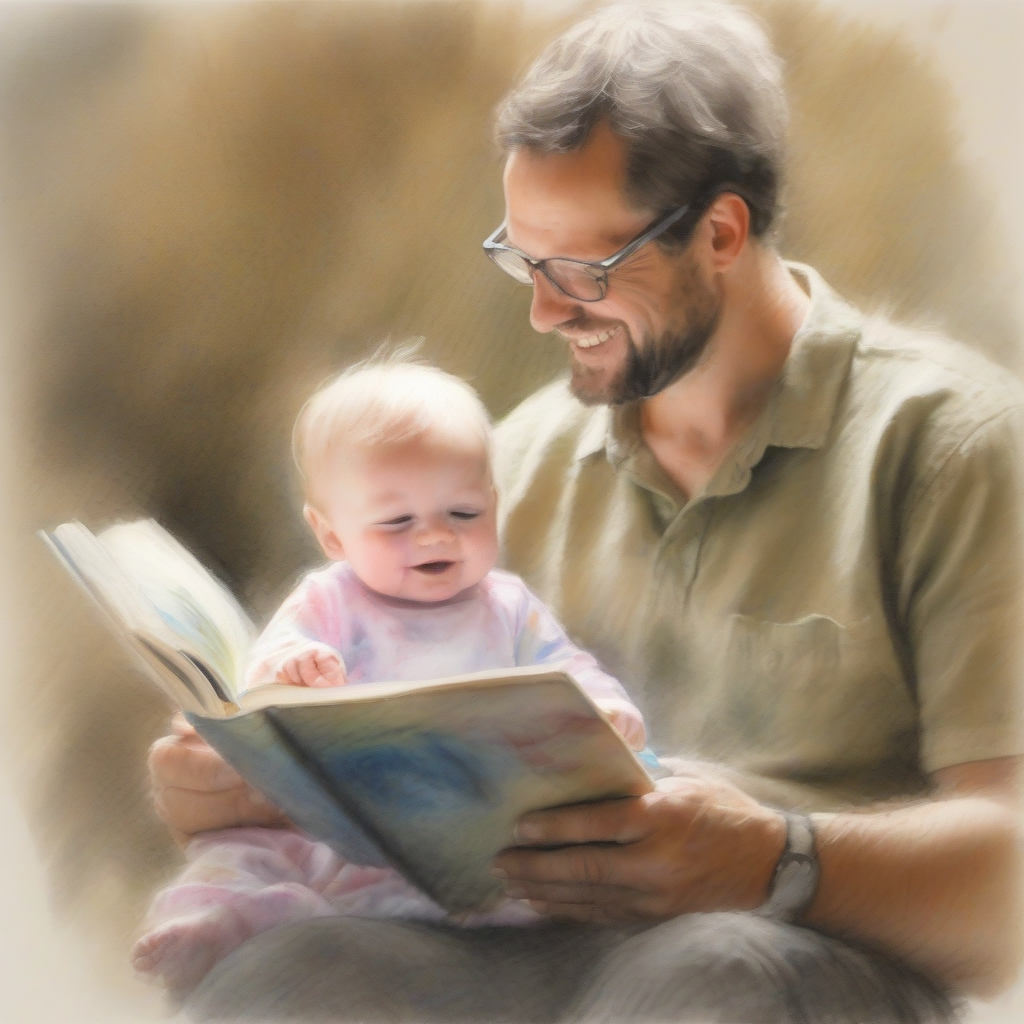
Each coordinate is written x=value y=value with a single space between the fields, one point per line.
x=607 y=896
x=189 y=811
x=642 y=908
x=181 y=726
x=587 y=864
x=189 y=762
x=607 y=821
x=583 y=912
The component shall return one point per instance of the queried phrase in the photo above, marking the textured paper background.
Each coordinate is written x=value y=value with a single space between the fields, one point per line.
x=207 y=208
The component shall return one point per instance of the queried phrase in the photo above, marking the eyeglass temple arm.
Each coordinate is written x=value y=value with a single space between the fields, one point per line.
x=657 y=228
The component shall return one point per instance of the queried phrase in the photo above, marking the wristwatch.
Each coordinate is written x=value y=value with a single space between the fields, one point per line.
x=796 y=875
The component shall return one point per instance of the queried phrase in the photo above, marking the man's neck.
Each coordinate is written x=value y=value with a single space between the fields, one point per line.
x=692 y=425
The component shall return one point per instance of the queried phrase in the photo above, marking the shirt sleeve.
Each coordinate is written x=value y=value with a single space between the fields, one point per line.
x=960 y=586
x=540 y=640
x=313 y=613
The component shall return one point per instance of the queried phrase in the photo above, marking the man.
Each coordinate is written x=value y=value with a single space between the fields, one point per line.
x=795 y=535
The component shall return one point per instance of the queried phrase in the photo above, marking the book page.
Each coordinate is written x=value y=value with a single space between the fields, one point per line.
x=131 y=618
x=197 y=614
x=437 y=777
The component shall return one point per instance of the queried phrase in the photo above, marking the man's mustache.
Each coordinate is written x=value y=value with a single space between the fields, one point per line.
x=585 y=323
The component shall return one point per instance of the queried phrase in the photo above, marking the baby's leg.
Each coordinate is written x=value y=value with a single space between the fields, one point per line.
x=182 y=950
x=239 y=882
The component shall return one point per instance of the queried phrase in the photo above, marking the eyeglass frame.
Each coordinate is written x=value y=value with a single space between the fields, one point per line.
x=493 y=244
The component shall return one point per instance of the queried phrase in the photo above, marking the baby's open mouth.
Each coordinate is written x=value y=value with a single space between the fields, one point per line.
x=433 y=568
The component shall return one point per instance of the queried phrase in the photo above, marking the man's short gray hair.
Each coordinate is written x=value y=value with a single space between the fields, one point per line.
x=695 y=89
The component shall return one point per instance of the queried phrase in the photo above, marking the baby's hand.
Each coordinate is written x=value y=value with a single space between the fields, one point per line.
x=315 y=665
x=627 y=722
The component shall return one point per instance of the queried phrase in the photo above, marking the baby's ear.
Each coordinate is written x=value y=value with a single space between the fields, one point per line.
x=329 y=540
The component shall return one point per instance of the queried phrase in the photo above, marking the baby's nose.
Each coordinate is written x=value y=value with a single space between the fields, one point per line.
x=435 y=533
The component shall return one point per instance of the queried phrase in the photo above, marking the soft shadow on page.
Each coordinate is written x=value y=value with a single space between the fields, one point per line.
x=208 y=208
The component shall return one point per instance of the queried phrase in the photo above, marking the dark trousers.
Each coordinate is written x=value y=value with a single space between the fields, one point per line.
x=701 y=968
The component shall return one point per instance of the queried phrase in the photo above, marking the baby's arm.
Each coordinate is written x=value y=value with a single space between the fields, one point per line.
x=297 y=647
x=542 y=641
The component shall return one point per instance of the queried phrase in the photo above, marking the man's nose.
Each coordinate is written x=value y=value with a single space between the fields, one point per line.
x=550 y=307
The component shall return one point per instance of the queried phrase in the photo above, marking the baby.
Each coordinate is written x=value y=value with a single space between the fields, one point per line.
x=395 y=459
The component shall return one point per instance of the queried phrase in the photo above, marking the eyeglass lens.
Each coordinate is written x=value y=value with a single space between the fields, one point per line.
x=576 y=279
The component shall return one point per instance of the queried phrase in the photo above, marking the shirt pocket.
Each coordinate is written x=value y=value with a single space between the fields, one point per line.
x=813 y=693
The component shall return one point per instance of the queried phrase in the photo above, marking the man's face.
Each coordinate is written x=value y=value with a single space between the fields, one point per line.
x=658 y=314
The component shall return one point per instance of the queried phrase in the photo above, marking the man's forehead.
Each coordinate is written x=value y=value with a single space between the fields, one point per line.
x=582 y=192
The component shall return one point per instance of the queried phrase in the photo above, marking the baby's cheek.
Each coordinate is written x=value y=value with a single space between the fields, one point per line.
x=484 y=546
x=383 y=561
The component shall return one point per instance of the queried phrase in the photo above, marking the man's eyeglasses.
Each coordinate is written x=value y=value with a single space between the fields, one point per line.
x=579 y=279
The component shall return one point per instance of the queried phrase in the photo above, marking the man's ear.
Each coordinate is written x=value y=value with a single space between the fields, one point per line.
x=329 y=540
x=728 y=218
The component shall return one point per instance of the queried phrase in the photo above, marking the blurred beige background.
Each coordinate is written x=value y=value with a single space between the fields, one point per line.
x=207 y=208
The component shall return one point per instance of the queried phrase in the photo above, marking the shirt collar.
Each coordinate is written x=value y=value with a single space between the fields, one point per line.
x=798 y=414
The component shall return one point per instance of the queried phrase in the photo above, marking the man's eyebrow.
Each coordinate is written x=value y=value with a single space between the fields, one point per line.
x=620 y=238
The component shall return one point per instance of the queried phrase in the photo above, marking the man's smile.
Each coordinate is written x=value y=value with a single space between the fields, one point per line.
x=593 y=340
x=589 y=341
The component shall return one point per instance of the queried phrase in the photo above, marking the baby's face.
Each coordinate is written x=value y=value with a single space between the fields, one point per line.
x=417 y=521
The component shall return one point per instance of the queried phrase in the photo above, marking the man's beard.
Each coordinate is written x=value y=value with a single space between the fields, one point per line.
x=659 y=363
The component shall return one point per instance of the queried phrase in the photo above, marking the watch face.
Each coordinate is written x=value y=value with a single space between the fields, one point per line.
x=796 y=875
x=795 y=882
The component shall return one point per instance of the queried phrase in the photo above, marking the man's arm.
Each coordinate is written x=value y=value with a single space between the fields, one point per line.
x=935 y=883
x=938 y=882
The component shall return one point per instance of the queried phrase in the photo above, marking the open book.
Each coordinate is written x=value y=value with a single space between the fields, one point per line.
x=426 y=777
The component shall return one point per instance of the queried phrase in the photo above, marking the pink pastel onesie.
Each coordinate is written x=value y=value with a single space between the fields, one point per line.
x=242 y=881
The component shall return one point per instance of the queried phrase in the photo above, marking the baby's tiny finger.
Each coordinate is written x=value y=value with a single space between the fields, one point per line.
x=289 y=674
x=308 y=671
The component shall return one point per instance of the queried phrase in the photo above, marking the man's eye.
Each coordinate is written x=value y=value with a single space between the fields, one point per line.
x=464 y=514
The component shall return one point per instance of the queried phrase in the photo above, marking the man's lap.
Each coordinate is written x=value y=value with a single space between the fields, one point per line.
x=706 y=968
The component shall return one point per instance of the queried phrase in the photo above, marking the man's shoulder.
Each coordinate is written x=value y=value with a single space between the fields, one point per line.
x=913 y=373
x=923 y=358
x=548 y=424
x=549 y=410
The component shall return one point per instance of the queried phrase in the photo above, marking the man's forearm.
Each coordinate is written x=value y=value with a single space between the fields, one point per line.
x=936 y=883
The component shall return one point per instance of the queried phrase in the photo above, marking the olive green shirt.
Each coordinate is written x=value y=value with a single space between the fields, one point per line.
x=839 y=611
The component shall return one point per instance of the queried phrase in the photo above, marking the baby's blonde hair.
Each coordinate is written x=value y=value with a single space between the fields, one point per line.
x=389 y=399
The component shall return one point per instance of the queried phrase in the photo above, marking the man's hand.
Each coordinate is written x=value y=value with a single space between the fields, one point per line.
x=933 y=881
x=695 y=844
x=195 y=790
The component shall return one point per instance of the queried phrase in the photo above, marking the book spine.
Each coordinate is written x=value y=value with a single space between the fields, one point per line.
x=347 y=806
